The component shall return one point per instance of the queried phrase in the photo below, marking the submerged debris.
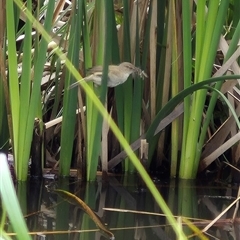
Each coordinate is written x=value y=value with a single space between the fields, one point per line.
x=73 y=199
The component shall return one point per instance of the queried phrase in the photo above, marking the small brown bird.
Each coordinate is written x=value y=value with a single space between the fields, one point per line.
x=117 y=74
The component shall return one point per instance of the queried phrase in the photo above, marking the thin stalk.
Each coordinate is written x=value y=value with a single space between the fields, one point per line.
x=13 y=76
x=90 y=117
x=4 y=99
x=126 y=88
x=35 y=91
x=200 y=38
x=109 y=23
x=4 y=133
x=94 y=120
x=137 y=93
x=88 y=64
x=175 y=89
x=152 y=62
x=25 y=93
x=70 y=97
x=187 y=69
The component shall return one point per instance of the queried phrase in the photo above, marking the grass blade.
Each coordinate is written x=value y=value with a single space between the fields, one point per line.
x=10 y=200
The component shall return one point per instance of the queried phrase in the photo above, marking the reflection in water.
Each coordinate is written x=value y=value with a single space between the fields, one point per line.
x=52 y=218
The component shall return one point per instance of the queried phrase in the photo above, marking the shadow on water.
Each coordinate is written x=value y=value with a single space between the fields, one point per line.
x=128 y=211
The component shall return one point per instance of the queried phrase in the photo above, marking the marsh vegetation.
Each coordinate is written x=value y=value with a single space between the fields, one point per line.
x=180 y=121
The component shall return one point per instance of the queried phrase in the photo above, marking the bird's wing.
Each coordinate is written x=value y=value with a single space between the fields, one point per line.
x=95 y=69
x=115 y=74
x=94 y=77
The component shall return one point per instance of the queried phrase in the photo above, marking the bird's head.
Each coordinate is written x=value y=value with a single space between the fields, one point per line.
x=130 y=68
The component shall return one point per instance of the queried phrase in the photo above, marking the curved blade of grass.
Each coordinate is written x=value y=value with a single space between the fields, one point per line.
x=179 y=98
x=10 y=201
x=5 y=236
x=230 y=107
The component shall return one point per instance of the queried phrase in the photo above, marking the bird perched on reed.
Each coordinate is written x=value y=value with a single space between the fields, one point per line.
x=117 y=74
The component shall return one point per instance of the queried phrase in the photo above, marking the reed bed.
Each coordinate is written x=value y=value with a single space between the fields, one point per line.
x=190 y=52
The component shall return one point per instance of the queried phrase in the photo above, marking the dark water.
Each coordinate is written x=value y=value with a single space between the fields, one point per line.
x=50 y=217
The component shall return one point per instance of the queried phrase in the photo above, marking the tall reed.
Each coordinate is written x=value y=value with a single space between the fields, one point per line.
x=70 y=97
x=208 y=31
x=24 y=97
